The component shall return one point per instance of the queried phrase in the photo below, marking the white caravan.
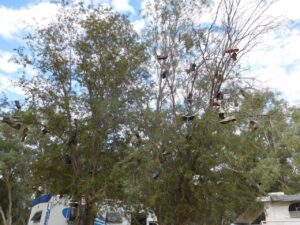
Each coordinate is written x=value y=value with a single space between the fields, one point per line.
x=278 y=209
x=53 y=210
x=281 y=209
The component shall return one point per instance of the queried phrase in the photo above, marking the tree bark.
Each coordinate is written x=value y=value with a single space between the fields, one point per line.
x=9 y=210
x=90 y=215
x=3 y=216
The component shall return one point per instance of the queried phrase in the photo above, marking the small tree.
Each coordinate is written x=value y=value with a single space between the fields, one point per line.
x=87 y=90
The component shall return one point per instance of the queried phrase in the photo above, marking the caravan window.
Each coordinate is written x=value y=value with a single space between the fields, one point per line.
x=37 y=217
x=113 y=217
x=294 y=210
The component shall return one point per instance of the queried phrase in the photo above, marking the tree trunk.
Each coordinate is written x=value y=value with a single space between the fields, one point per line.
x=3 y=216
x=90 y=215
x=9 y=210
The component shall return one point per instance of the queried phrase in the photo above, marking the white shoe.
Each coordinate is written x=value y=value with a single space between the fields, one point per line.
x=228 y=119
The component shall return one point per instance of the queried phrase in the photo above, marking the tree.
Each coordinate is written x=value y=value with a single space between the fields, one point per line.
x=88 y=88
x=193 y=166
x=179 y=152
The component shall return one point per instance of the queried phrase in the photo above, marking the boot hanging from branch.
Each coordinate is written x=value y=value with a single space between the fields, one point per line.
x=233 y=53
x=192 y=68
x=254 y=125
x=17 y=104
x=164 y=74
x=219 y=96
x=24 y=134
x=190 y=98
x=44 y=131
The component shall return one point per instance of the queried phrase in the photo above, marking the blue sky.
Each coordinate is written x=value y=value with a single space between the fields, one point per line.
x=275 y=62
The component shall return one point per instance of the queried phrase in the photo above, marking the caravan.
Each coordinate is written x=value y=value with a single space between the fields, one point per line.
x=56 y=210
x=277 y=209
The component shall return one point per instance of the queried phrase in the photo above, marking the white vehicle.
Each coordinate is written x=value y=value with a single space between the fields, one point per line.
x=55 y=210
x=278 y=209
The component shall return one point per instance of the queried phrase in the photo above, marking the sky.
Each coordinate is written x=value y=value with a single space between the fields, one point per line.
x=275 y=63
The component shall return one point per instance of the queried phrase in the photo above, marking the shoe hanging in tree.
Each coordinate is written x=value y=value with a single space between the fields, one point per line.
x=228 y=119
x=44 y=130
x=17 y=104
x=24 y=134
x=233 y=53
x=190 y=98
x=156 y=173
x=231 y=50
x=162 y=57
x=254 y=125
x=17 y=126
x=188 y=117
x=234 y=56
x=243 y=93
x=216 y=102
x=192 y=68
x=221 y=113
x=164 y=74
x=220 y=95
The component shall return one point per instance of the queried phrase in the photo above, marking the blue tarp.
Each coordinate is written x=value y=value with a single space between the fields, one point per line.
x=99 y=221
x=41 y=199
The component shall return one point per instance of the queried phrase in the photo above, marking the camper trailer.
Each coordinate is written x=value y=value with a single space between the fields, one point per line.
x=281 y=209
x=56 y=210
x=278 y=209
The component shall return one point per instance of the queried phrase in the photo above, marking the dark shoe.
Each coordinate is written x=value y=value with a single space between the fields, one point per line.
x=188 y=117
x=17 y=104
x=164 y=74
x=232 y=50
x=17 y=126
x=162 y=57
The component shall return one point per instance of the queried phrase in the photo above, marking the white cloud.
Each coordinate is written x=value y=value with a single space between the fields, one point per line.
x=138 y=25
x=6 y=65
x=287 y=8
x=14 y=21
x=7 y=85
x=122 y=6
x=93 y=2
x=276 y=63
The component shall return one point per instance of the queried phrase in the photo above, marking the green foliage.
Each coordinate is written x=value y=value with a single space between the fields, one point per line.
x=14 y=171
x=90 y=72
x=103 y=128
